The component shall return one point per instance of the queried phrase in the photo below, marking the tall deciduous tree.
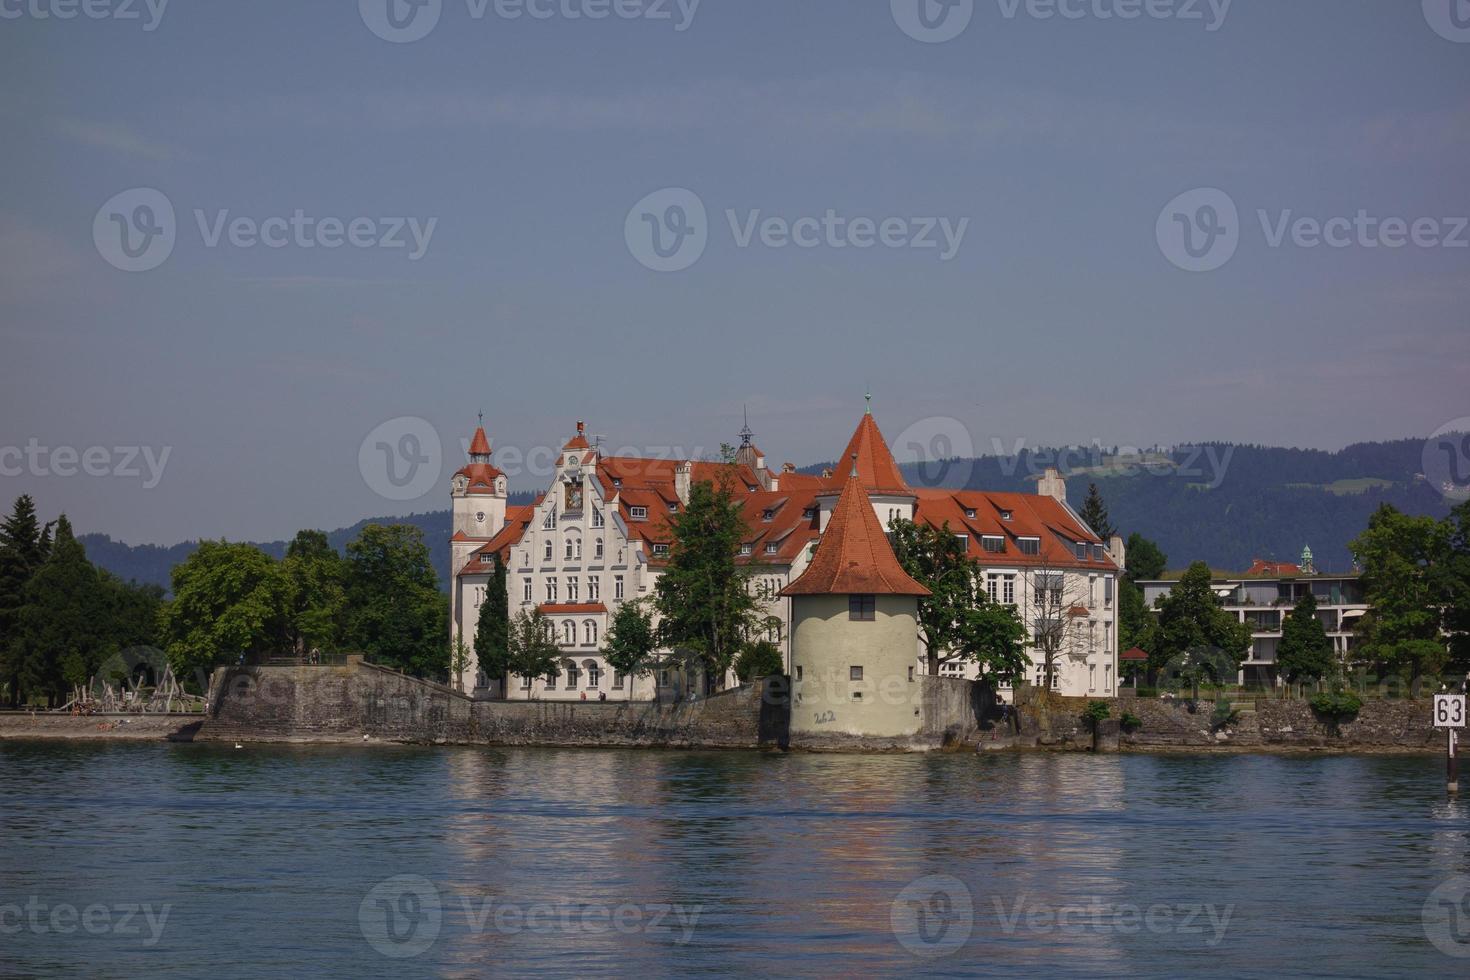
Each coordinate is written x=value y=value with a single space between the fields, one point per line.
x=1405 y=562
x=706 y=608
x=630 y=640
x=533 y=653
x=492 y=627
x=958 y=621
x=396 y=613
x=1305 y=651
x=1145 y=560
x=1095 y=513
x=1192 y=619
x=318 y=602
x=229 y=601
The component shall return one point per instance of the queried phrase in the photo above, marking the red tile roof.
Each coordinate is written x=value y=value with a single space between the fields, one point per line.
x=1031 y=516
x=1263 y=567
x=1133 y=654
x=868 y=452
x=578 y=441
x=479 y=445
x=482 y=477
x=854 y=557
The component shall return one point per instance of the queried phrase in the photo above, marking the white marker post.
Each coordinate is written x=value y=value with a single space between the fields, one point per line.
x=1449 y=713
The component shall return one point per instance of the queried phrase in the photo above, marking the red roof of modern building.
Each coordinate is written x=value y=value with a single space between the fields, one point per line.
x=867 y=453
x=1263 y=567
x=854 y=556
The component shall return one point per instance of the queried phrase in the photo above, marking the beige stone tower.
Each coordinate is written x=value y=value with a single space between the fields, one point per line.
x=854 y=630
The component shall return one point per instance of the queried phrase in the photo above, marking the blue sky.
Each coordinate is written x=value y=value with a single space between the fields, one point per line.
x=1059 y=318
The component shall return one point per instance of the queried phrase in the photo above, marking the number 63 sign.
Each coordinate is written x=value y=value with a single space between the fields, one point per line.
x=1449 y=711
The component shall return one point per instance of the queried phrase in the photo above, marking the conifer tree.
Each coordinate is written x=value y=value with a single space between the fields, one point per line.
x=1095 y=513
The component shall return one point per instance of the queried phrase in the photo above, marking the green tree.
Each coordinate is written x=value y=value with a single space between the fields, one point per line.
x=1305 y=651
x=395 y=611
x=460 y=659
x=705 y=605
x=533 y=653
x=318 y=598
x=958 y=621
x=492 y=626
x=1405 y=561
x=1135 y=623
x=630 y=641
x=1456 y=586
x=229 y=601
x=21 y=553
x=1192 y=620
x=1145 y=561
x=60 y=621
x=761 y=658
x=1095 y=513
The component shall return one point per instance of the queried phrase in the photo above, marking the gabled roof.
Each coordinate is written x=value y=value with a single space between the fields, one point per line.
x=868 y=454
x=1031 y=516
x=854 y=556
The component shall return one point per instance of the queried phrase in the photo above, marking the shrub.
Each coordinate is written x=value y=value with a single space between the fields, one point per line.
x=1096 y=711
x=1130 y=722
x=1224 y=714
x=1148 y=692
x=1337 y=706
x=760 y=659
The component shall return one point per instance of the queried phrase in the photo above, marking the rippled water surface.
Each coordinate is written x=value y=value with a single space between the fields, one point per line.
x=354 y=862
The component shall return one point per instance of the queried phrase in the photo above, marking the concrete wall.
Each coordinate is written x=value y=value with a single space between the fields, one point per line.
x=826 y=644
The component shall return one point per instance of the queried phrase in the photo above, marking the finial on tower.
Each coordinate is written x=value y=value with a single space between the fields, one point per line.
x=745 y=434
x=482 y=416
x=853 y=473
x=868 y=397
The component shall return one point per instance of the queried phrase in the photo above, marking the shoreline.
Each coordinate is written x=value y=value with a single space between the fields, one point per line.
x=16 y=727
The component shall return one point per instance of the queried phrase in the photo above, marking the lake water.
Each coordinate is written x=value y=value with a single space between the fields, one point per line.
x=192 y=860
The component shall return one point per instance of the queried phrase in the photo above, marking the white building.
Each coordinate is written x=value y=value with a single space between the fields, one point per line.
x=600 y=535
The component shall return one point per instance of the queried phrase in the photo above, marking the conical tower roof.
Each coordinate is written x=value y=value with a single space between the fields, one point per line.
x=853 y=556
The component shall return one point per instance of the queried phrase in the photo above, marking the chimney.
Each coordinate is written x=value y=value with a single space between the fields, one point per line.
x=1117 y=551
x=683 y=471
x=1052 y=485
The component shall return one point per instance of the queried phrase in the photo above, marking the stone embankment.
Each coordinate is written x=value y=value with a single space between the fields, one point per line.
x=131 y=727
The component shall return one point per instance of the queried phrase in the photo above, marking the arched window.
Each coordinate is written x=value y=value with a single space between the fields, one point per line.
x=569 y=549
x=594 y=673
x=548 y=549
x=568 y=633
x=573 y=674
x=579 y=549
x=597 y=552
x=589 y=632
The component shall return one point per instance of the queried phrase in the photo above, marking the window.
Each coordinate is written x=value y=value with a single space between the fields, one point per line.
x=1107 y=591
x=771 y=548
x=964 y=540
x=572 y=589
x=673 y=507
x=573 y=675
x=809 y=513
x=857 y=695
x=525 y=683
x=568 y=632
x=854 y=673
x=798 y=671
x=970 y=513
x=1092 y=677
x=746 y=549
x=617 y=587
x=579 y=548
x=617 y=482
x=597 y=550
x=548 y=549
x=768 y=515
x=594 y=674
x=1098 y=553
x=911 y=673
x=1008 y=590
x=594 y=589
x=551 y=590
x=486 y=558
x=993 y=543
x=1029 y=546
x=569 y=549
x=617 y=680
x=1081 y=548
x=597 y=522
x=525 y=590
x=992 y=587
x=1005 y=515
x=551 y=683
x=661 y=550
x=638 y=513
x=862 y=608
x=589 y=636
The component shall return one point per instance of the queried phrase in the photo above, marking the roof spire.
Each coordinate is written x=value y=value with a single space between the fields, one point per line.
x=745 y=434
x=853 y=474
x=869 y=399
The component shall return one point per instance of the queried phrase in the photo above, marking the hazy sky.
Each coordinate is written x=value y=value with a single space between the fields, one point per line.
x=1046 y=147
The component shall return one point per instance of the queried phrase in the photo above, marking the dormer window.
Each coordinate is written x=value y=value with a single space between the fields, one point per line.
x=673 y=507
x=617 y=483
x=1081 y=551
x=771 y=548
x=1005 y=515
x=809 y=513
x=1029 y=546
x=638 y=513
x=768 y=515
x=660 y=550
x=993 y=543
x=970 y=513
x=746 y=549
x=1097 y=552
x=486 y=559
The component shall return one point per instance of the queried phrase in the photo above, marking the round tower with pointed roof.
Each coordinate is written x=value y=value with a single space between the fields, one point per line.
x=854 y=630
x=478 y=493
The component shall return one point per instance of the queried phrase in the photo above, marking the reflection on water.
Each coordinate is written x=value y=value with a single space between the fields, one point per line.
x=527 y=861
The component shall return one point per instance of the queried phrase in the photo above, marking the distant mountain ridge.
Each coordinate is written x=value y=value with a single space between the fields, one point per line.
x=1222 y=503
